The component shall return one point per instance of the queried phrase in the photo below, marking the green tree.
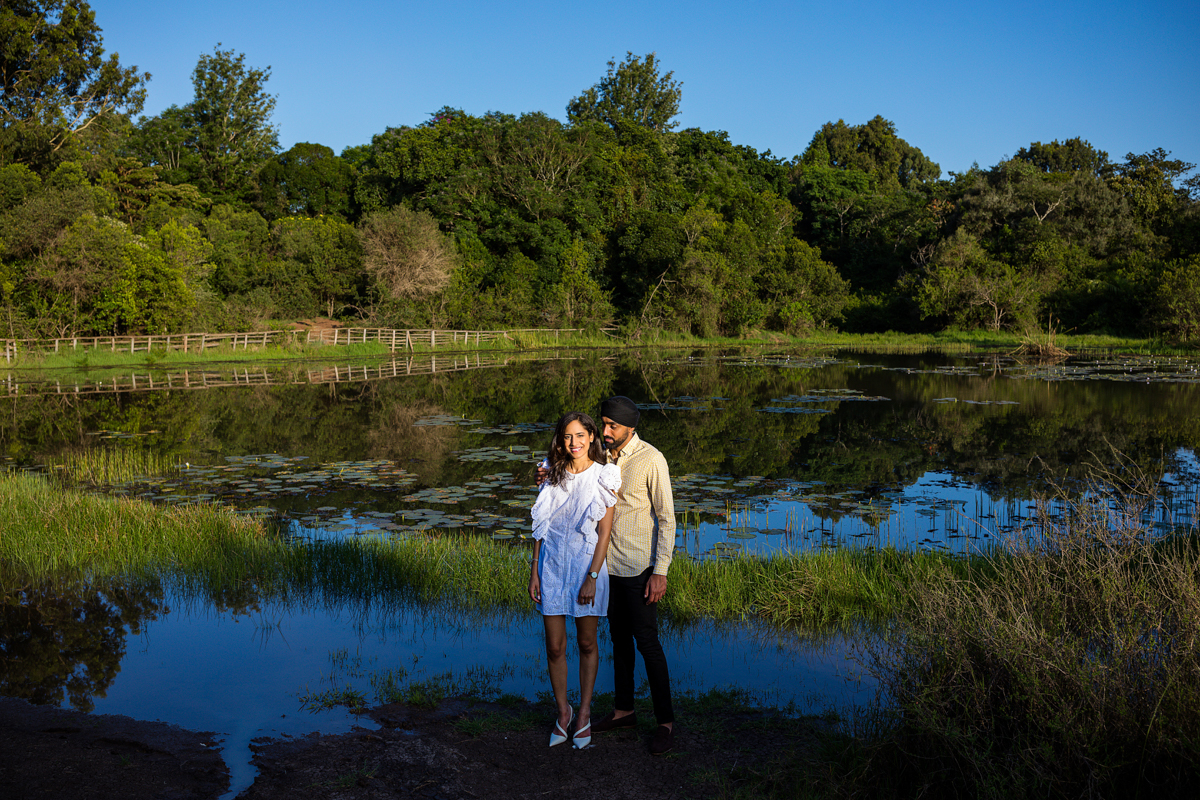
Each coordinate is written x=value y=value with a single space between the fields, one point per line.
x=1179 y=300
x=167 y=142
x=803 y=290
x=221 y=139
x=55 y=82
x=316 y=267
x=1148 y=182
x=231 y=112
x=100 y=277
x=1072 y=155
x=308 y=179
x=576 y=300
x=433 y=167
x=632 y=90
x=972 y=288
x=873 y=148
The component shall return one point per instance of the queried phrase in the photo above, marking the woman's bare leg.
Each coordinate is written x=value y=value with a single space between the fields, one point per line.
x=556 y=658
x=589 y=663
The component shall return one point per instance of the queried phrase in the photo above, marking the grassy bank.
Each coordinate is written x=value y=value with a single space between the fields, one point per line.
x=1066 y=667
x=949 y=342
x=48 y=533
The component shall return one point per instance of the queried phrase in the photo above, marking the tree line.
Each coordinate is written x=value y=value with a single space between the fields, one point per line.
x=196 y=219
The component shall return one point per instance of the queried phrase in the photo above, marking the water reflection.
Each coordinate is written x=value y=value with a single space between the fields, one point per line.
x=768 y=450
x=243 y=673
x=66 y=643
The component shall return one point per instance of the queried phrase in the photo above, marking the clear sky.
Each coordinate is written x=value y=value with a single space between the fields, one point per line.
x=965 y=82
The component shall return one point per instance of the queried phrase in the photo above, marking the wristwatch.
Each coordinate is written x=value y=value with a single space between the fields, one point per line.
x=593 y=575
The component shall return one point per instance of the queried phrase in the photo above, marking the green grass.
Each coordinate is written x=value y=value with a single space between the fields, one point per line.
x=1063 y=666
x=950 y=342
x=100 y=358
x=110 y=466
x=48 y=532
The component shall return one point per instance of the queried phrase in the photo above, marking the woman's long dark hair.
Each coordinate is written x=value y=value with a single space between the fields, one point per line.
x=559 y=458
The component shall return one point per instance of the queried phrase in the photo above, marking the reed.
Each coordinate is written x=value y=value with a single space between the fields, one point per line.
x=1074 y=672
x=105 y=466
x=47 y=532
x=813 y=589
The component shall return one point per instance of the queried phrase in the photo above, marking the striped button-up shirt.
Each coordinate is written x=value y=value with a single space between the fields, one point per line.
x=643 y=531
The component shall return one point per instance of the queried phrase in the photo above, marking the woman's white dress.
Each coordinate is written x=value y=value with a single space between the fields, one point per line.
x=564 y=520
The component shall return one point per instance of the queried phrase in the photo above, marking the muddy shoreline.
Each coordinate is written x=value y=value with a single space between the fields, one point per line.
x=460 y=749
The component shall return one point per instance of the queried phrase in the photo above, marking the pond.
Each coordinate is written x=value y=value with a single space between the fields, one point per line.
x=769 y=451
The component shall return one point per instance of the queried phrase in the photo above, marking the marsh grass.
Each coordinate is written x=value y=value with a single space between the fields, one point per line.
x=209 y=551
x=51 y=533
x=1073 y=672
x=110 y=466
x=815 y=589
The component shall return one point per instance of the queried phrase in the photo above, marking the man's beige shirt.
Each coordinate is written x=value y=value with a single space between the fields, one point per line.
x=643 y=531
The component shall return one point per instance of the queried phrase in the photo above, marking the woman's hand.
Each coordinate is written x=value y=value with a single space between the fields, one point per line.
x=587 y=592
x=535 y=587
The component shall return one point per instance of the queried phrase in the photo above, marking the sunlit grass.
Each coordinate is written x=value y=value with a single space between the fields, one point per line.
x=949 y=342
x=46 y=532
x=100 y=358
x=104 y=466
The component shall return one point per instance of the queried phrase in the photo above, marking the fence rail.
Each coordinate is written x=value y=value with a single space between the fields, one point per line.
x=191 y=379
x=395 y=339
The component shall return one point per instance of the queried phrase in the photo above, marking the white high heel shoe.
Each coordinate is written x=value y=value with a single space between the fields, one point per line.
x=558 y=735
x=580 y=742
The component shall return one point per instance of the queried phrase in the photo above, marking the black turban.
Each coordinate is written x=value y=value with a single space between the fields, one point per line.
x=621 y=410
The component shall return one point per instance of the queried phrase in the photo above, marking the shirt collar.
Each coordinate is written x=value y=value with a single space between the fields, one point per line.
x=633 y=445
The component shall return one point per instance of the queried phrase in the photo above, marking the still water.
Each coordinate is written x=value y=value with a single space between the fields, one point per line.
x=769 y=451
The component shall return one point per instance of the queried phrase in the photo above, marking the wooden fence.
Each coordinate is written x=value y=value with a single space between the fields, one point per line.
x=395 y=339
x=259 y=376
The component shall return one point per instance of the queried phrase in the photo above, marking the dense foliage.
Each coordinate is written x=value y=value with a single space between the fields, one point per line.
x=195 y=219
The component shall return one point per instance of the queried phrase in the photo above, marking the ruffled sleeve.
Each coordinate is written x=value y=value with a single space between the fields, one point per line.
x=543 y=508
x=608 y=482
x=610 y=479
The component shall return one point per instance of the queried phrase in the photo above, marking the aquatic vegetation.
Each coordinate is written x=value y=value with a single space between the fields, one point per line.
x=1071 y=670
x=108 y=466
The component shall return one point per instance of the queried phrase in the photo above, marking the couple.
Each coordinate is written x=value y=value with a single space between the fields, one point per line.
x=604 y=532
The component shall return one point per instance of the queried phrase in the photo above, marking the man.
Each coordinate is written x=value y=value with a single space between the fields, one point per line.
x=639 y=555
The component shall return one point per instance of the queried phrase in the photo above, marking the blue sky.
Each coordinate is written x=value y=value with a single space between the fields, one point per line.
x=964 y=82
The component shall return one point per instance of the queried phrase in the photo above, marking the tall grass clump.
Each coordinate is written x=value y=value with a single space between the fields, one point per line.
x=814 y=589
x=105 y=466
x=1073 y=672
x=50 y=532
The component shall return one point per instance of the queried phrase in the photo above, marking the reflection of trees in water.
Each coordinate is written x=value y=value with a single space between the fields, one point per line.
x=66 y=642
x=392 y=435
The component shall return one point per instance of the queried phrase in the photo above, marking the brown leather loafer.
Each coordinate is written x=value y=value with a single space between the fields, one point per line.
x=609 y=723
x=663 y=741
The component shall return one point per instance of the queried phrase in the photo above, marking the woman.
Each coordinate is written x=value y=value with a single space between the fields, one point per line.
x=572 y=521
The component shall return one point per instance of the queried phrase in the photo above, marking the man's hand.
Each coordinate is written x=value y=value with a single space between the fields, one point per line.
x=542 y=474
x=656 y=587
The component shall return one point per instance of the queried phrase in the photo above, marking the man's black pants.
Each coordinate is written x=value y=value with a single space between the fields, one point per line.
x=631 y=619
